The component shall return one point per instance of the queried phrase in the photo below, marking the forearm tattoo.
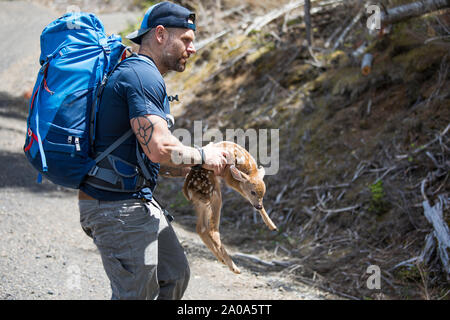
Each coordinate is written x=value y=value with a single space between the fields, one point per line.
x=143 y=128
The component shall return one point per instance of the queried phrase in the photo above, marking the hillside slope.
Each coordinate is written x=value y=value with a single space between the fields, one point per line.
x=44 y=254
x=358 y=154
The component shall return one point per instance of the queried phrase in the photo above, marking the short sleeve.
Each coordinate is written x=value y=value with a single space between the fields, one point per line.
x=145 y=93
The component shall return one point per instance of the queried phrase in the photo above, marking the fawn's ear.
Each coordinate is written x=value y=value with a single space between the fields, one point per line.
x=238 y=175
x=261 y=172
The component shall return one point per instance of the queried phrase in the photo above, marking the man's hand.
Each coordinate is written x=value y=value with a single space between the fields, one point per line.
x=215 y=159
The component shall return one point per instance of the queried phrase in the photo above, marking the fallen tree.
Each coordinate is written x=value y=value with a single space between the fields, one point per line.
x=411 y=10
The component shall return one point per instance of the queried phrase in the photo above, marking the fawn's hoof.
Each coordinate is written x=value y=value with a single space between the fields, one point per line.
x=234 y=268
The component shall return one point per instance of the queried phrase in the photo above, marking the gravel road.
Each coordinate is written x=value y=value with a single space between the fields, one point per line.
x=44 y=254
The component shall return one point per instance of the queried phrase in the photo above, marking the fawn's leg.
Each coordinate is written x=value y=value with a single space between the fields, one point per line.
x=216 y=206
x=195 y=191
x=203 y=226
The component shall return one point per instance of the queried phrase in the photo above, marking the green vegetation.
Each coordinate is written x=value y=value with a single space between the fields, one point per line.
x=378 y=203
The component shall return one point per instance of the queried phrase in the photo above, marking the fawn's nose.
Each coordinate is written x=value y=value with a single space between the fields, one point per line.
x=258 y=206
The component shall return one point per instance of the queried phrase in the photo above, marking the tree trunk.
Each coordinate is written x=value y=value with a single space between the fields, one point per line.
x=411 y=10
x=308 y=21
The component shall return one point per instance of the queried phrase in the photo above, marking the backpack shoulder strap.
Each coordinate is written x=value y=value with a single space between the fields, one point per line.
x=97 y=98
x=114 y=146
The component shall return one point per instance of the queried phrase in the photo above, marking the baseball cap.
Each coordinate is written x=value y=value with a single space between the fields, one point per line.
x=167 y=14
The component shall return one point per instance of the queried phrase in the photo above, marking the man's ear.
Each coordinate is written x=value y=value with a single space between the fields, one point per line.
x=160 y=34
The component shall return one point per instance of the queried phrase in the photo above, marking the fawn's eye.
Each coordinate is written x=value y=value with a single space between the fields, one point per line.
x=253 y=193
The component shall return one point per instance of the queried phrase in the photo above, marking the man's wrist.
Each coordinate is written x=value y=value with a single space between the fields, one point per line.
x=202 y=154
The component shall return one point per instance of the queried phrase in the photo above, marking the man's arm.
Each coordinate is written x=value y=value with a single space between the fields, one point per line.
x=160 y=146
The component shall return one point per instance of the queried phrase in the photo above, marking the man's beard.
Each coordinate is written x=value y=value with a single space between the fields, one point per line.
x=180 y=66
x=173 y=62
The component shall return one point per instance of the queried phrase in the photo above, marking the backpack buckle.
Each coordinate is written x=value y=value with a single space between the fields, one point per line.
x=93 y=171
x=43 y=68
x=104 y=43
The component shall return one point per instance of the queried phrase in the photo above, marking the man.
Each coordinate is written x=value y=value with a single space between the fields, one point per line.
x=140 y=251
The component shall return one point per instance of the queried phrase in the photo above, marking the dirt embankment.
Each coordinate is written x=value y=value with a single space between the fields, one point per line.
x=44 y=254
x=354 y=150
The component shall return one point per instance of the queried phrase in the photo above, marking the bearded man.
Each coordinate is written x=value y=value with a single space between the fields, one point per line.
x=141 y=254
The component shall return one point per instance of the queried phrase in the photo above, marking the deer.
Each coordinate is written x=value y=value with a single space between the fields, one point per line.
x=202 y=188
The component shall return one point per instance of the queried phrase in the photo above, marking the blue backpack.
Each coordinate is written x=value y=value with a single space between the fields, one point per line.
x=76 y=58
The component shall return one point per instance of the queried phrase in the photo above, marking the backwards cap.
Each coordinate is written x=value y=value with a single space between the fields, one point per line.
x=167 y=14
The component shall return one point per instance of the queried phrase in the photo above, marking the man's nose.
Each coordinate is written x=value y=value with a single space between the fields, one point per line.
x=191 y=49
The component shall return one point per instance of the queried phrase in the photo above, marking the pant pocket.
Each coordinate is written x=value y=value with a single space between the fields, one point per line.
x=123 y=282
x=117 y=269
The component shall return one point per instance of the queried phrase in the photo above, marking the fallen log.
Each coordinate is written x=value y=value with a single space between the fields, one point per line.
x=272 y=263
x=260 y=22
x=366 y=65
x=412 y=10
x=211 y=39
x=441 y=232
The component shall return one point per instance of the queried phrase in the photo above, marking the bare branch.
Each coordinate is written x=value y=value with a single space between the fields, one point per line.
x=260 y=22
x=341 y=38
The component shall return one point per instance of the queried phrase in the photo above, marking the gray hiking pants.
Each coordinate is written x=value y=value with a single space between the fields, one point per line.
x=141 y=254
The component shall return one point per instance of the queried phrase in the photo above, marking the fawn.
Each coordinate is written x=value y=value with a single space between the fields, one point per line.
x=202 y=188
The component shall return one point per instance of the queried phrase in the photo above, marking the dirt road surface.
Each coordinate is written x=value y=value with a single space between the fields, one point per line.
x=44 y=254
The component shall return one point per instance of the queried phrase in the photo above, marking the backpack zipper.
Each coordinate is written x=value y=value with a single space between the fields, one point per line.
x=77 y=144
